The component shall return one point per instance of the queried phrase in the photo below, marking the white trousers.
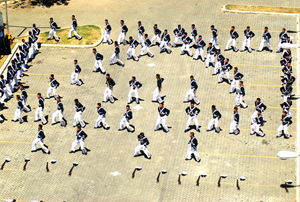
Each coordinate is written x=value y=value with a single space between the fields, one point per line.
x=32 y=51
x=279 y=45
x=253 y=116
x=199 y=51
x=101 y=119
x=234 y=127
x=135 y=91
x=10 y=87
x=255 y=128
x=163 y=122
x=53 y=32
x=124 y=120
x=218 y=66
x=130 y=49
x=283 y=128
x=74 y=78
x=155 y=37
x=98 y=65
x=213 y=121
x=75 y=33
x=233 y=41
x=148 y=51
x=156 y=95
x=234 y=85
x=248 y=42
x=76 y=142
x=108 y=94
x=142 y=147
x=20 y=74
x=18 y=115
x=53 y=89
x=36 y=44
x=239 y=100
x=190 y=119
x=194 y=40
x=78 y=118
x=285 y=97
x=214 y=41
x=39 y=114
x=221 y=75
x=25 y=106
x=58 y=114
x=191 y=150
x=177 y=38
x=141 y=40
x=210 y=58
x=16 y=83
x=117 y=56
x=192 y=92
x=187 y=47
x=122 y=36
x=39 y=140
x=263 y=41
x=107 y=37
x=6 y=94
x=166 y=44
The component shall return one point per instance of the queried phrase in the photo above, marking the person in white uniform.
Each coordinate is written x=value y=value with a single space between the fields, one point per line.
x=74 y=29
x=80 y=137
x=126 y=118
x=79 y=108
x=144 y=142
x=107 y=33
x=134 y=86
x=39 y=113
x=193 y=143
x=156 y=93
x=214 y=122
x=192 y=112
x=101 y=118
x=75 y=74
x=235 y=123
x=163 y=113
x=98 y=62
x=40 y=139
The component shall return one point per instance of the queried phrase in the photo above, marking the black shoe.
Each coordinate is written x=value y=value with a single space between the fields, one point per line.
x=14 y=120
x=33 y=150
x=185 y=130
x=271 y=51
x=236 y=50
x=242 y=50
x=71 y=152
x=278 y=51
x=198 y=130
x=36 y=120
x=96 y=127
x=226 y=50
x=120 y=129
x=258 y=51
x=53 y=124
x=188 y=159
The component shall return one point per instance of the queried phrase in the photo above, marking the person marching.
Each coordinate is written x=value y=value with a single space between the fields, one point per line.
x=156 y=36
x=235 y=123
x=287 y=69
x=107 y=33
x=141 y=30
x=53 y=87
x=200 y=49
x=19 y=64
x=192 y=91
x=194 y=34
x=147 y=44
x=78 y=114
x=126 y=118
x=286 y=91
x=285 y=123
x=19 y=110
x=259 y=106
x=75 y=74
x=240 y=94
x=24 y=97
x=215 y=37
x=289 y=79
x=40 y=139
x=133 y=44
x=215 y=120
x=10 y=77
x=36 y=33
x=178 y=34
x=237 y=77
x=156 y=93
x=53 y=27
x=211 y=50
x=282 y=39
x=25 y=47
x=32 y=40
x=74 y=29
x=143 y=140
x=286 y=106
x=258 y=122
x=225 y=68
x=220 y=59
x=192 y=112
x=59 y=113
x=134 y=86
x=165 y=40
x=101 y=118
x=233 y=36
x=186 y=41
x=193 y=143
x=80 y=137
x=116 y=55
x=248 y=36
x=110 y=83
x=24 y=56
x=3 y=88
x=163 y=113
x=98 y=62
x=39 y=113
x=122 y=35
x=266 y=39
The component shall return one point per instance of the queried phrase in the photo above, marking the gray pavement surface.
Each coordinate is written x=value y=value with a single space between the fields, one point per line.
x=112 y=150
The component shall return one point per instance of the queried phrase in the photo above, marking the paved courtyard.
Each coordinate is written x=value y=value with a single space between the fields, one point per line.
x=105 y=173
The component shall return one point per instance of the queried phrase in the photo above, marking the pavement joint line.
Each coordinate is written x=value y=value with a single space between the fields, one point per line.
x=232 y=183
x=246 y=84
x=298 y=74
x=36 y=74
x=11 y=169
x=14 y=142
x=268 y=107
x=241 y=155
